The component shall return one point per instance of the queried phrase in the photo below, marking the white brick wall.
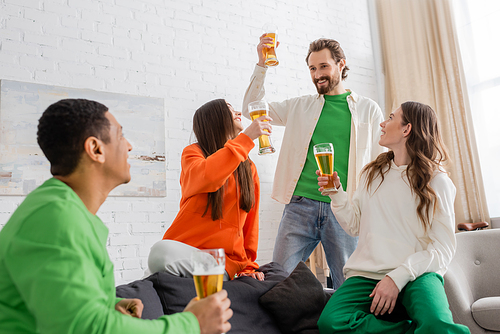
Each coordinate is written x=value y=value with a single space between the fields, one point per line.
x=186 y=52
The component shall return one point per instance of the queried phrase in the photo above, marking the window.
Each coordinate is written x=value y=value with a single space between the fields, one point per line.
x=478 y=25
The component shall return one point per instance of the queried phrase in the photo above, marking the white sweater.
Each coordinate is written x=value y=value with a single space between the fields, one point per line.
x=392 y=240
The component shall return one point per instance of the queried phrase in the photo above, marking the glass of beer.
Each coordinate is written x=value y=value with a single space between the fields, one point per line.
x=324 y=157
x=270 y=52
x=257 y=109
x=208 y=270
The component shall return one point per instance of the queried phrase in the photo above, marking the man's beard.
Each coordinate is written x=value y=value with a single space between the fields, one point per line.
x=332 y=83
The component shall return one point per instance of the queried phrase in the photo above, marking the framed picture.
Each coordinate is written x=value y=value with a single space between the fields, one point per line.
x=23 y=167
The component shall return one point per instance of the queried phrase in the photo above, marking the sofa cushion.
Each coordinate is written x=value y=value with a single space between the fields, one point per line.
x=144 y=291
x=297 y=302
x=485 y=312
x=244 y=292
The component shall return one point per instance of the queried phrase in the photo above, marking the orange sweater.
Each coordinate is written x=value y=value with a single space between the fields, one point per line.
x=237 y=231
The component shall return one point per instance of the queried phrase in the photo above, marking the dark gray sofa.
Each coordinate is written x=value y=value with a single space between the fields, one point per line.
x=279 y=304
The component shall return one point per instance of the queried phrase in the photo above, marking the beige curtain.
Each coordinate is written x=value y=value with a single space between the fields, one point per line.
x=422 y=63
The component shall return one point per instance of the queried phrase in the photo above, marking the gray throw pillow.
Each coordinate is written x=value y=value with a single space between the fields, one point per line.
x=297 y=302
x=244 y=292
x=144 y=291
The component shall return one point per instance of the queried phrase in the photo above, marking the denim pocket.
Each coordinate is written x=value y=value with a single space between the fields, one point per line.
x=296 y=199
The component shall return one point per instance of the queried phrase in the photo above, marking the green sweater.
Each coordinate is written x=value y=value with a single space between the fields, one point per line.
x=56 y=275
x=334 y=126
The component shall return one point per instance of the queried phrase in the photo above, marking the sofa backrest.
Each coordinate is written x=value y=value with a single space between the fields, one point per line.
x=476 y=265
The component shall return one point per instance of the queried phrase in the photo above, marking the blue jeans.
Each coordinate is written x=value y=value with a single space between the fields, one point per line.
x=306 y=222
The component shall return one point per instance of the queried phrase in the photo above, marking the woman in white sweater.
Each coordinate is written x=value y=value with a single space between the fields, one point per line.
x=403 y=214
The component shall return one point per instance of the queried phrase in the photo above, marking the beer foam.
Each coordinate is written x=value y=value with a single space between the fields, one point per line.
x=199 y=271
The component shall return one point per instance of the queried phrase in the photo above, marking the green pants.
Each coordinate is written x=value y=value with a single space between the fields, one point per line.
x=421 y=308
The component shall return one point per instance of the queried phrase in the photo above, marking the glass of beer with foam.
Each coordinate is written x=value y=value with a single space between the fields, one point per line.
x=208 y=270
x=270 y=52
x=324 y=158
x=257 y=109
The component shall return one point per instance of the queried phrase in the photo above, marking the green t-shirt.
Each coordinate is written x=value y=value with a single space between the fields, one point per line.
x=334 y=126
x=56 y=275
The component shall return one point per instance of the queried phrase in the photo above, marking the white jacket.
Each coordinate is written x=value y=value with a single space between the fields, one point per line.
x=300 y=116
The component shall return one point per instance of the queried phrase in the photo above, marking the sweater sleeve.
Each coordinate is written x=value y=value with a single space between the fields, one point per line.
x=61 y=282
x=251 y=227
x=442 y=245
x=204 y=175
x=347 y=212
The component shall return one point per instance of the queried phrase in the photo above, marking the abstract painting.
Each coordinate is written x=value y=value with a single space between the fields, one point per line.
x=23 y=167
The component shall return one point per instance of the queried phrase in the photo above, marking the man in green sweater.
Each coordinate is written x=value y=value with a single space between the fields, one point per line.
x=55 y=272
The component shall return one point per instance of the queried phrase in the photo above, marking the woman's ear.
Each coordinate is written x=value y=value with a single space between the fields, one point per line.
x=94 y=149
x=407 y=130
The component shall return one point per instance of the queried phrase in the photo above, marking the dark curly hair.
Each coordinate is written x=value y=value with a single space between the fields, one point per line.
x=63 y=129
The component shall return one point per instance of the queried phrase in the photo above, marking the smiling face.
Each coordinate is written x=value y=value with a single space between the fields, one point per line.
x=325 y=73
x=394 y=133
x=238 y=125
x=116 y=153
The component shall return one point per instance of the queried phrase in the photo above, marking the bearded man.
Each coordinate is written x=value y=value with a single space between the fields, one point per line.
x=335 y=115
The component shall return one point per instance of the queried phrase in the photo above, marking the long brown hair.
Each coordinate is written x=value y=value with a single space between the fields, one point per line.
x=213 y=125
x=427 y=152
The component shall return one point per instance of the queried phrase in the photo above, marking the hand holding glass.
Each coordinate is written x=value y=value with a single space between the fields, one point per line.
x=324 y=157
x=257 y=109
x=208 y=270
x=270 y=52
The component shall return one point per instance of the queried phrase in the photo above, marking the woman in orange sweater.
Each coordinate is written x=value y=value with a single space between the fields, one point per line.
x=219 y=207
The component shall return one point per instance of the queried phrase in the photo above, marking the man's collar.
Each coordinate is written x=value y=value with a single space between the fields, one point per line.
x=353 y=95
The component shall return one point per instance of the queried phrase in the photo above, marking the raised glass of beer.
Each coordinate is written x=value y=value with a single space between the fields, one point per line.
x=257 y=109
x=208 y=270
x=324 y=157
x=270 y=52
